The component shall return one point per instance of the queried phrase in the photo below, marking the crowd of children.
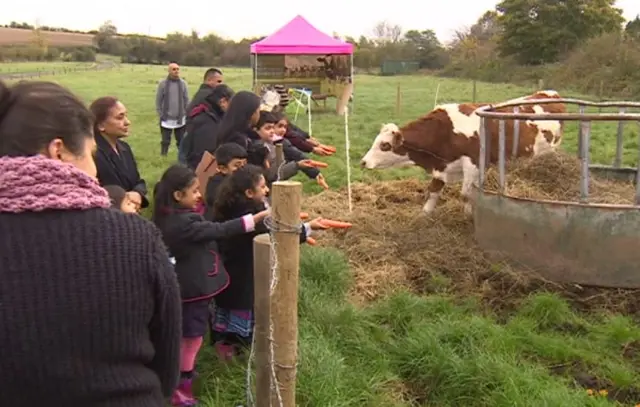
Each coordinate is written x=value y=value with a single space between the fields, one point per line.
x=211 y=245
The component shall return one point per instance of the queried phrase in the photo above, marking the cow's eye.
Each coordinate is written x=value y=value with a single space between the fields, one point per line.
x=384 y=146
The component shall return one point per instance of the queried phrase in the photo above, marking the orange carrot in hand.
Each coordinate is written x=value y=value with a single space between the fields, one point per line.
x=330 y=149
x=322 y=182
x=311 y=241
x=318 y=164
x=335 y=224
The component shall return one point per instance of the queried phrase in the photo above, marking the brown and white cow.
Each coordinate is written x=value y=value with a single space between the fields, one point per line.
x=445 y=142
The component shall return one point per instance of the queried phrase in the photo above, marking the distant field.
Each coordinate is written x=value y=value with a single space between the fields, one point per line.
x=16 y=36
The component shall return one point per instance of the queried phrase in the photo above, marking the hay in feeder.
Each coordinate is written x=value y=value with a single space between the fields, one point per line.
x=556 y=176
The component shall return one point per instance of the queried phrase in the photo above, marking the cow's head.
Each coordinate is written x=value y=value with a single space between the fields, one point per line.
x=387 y=151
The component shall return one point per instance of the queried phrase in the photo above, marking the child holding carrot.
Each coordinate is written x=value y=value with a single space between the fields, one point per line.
x=191 y=240
x=241 y=194
x=294 y=159
x=299 y=138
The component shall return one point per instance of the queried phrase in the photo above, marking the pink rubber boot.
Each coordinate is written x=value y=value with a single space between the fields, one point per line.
x=183 y=395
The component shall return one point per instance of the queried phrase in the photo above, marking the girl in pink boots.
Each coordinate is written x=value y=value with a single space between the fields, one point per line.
x=191 y=241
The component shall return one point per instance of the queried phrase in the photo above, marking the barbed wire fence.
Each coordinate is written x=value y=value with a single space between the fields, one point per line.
x=6 y=73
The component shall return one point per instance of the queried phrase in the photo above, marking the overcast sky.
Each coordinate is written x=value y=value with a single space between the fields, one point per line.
x=238 y=19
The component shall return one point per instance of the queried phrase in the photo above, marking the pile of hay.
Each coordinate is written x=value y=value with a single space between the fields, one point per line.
x=394 y=245
x=556 y=176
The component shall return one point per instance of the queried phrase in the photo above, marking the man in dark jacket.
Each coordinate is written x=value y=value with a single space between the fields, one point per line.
x=202 y=123
x=212 y=78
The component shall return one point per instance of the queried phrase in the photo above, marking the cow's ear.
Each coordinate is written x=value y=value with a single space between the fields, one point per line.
x=397 y=139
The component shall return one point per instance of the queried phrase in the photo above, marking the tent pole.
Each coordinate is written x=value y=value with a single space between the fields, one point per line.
x=255 y=71
x=353 y=101
x=309 y=102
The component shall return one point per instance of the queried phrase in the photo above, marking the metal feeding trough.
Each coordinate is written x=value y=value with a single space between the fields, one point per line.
x=569 y=242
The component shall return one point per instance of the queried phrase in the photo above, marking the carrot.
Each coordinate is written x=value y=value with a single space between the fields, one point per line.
x=311 y=241
x=304 y=215
x=335 y=224
x=330 y=149
x=318 y=164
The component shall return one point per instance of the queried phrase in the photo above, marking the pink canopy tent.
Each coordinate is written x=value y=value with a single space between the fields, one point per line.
x=299 y=37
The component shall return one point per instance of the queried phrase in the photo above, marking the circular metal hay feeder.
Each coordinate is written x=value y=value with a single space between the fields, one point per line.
x=567 y=242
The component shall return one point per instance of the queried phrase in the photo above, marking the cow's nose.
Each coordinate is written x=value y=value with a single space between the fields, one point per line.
x=363 y=163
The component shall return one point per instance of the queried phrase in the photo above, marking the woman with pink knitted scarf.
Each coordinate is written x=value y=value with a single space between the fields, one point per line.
x=89 y=304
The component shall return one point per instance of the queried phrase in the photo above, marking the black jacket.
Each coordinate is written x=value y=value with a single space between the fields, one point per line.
x=119 y=168
x=242 y=138
x=212 y=189
x=237 y=253
x=298 y=131
x=203 y=91
x=291 y=153
x=202 y=124
x=191 y=240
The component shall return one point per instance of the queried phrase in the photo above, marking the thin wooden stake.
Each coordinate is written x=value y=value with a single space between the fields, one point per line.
x=262 y=310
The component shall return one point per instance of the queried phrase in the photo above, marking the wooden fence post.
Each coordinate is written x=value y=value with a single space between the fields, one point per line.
x=475 y=91
x=262 y=309
x=285 y=212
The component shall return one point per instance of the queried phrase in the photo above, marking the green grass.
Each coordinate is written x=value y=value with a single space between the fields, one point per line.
x=406 y=350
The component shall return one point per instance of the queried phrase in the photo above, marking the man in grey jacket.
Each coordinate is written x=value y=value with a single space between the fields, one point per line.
x=172 y=98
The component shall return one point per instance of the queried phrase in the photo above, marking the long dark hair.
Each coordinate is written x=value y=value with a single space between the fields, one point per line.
x=100 y=109
x=178 y=177
x=33 y=114
x=236 y=119
x=218 y=93
x=231 y=194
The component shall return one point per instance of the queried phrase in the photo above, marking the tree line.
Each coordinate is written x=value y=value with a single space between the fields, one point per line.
x=586 y=44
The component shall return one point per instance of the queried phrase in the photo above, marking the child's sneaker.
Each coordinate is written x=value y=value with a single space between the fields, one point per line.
x=183 y=395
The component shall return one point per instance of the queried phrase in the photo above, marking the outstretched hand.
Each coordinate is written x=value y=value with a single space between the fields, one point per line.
x=317 y=224
x=260 y=216
x=135 y=198
x=320 y=151
x=322 y=182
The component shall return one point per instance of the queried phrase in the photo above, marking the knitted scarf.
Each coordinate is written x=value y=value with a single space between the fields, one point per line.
x=37 y=183
x=182 y=88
